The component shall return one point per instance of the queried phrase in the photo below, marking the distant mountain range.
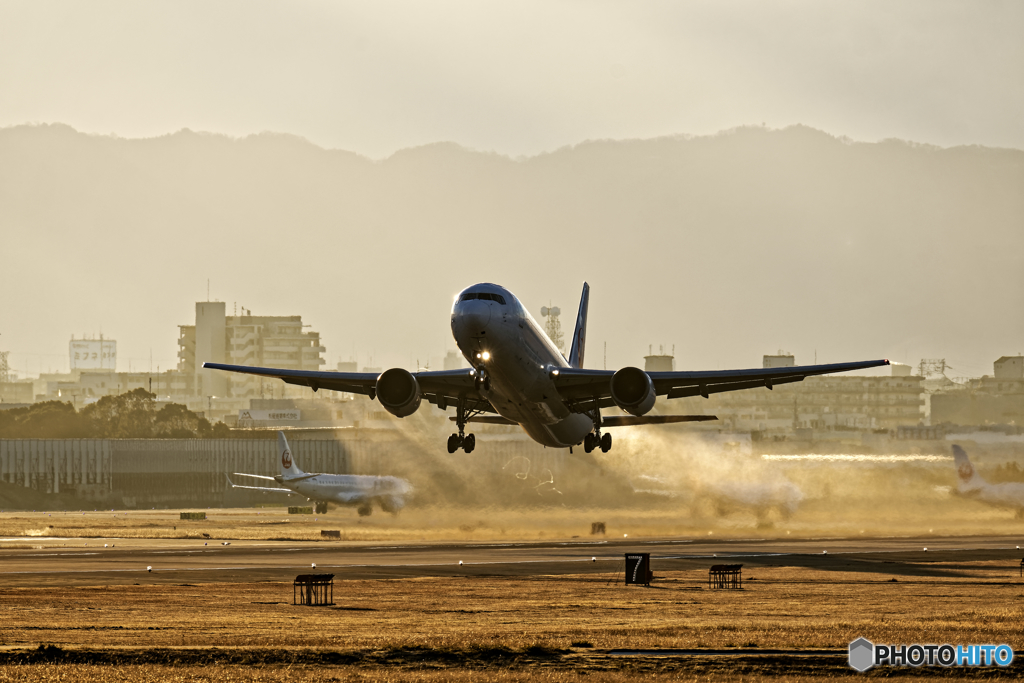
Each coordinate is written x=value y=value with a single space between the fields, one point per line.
x=726 y=246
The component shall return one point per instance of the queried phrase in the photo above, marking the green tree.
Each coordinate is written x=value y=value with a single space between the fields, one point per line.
x=47 y=420
x=175 y=421
x=132 y=415
x=125 y=416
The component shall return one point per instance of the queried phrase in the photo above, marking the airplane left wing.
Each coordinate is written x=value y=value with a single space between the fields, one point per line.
x=584 y=390
x=441 y=387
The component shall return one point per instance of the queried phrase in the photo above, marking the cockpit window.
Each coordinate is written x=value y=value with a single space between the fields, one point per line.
x=486 y=296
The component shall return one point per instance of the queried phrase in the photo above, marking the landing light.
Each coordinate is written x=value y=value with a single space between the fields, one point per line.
x=486 y=355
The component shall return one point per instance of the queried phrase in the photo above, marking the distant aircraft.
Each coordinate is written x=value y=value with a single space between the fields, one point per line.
x=971 y=485
x=764 y=498
x=519 y=377
x=357 y=490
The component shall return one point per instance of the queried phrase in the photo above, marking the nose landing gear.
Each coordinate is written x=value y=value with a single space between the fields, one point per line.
x=482 y=381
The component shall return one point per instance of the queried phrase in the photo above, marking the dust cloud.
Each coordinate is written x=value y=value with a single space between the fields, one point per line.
x=667 y=482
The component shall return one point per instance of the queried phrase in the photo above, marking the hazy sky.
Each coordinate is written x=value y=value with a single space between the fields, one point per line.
x=517 y=78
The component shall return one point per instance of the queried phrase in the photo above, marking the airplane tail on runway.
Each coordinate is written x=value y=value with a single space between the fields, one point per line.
x=289 y=470
x=969 y=477
x=579 y=334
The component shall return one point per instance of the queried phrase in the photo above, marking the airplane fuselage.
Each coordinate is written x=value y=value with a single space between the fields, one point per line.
x=349 y=489
x=1008 y=494
x=498 y=336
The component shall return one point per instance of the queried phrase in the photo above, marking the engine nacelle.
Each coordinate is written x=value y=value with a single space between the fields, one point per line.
x=399 y=392
x=633 y=391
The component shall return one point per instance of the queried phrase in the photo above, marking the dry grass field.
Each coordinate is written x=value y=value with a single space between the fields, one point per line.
x=655 y=518
x=502 y=629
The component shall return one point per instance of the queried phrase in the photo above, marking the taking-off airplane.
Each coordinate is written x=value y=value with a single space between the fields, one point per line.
x=518 y=376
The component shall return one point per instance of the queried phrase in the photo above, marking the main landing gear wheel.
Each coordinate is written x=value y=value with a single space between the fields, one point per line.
x=594 y=441
x=320 y=507
x=467 y=443
x=463 y=414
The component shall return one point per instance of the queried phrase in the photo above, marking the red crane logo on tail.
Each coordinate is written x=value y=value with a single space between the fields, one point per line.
x=966 y=471
x=286 y=459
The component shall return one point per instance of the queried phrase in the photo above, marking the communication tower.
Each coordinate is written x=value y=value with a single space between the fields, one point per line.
x=5 y=369
x=553 y=326
x=933 y=366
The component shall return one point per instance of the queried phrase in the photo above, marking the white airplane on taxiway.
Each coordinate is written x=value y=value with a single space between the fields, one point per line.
x=356 y=490
x=972 y=485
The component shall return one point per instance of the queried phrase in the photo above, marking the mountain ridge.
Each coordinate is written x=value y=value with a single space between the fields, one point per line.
x=794 y=232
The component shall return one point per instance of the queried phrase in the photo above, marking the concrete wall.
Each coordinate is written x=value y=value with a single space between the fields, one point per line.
x=191 y=472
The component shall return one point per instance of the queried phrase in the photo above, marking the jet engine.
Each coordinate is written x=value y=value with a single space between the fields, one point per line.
x=399 y=392
x=633 y=391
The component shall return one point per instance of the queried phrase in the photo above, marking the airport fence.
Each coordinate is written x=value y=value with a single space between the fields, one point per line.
x=191 y=472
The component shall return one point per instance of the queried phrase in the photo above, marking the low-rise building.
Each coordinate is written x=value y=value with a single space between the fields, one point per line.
x=990 y=400
x=269 y=341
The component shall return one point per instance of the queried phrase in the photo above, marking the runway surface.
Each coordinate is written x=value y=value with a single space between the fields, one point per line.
x=125 y=561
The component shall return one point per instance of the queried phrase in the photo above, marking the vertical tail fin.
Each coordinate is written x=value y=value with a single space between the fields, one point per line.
x=579 y=334
x=288 y=467
x=969 y=478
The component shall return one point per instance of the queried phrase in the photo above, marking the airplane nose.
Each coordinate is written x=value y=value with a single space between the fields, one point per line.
x=472 y=318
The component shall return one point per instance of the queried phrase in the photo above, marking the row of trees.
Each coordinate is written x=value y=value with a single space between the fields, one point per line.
x=133 y=415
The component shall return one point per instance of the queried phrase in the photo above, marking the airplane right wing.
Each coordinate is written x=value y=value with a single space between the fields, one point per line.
x=441 y=387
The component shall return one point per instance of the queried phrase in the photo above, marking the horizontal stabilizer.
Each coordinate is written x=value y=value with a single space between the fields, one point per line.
x=254 y=488
x=630 y=421
x=489 y=420
x=254 y=476
x=261 y=488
